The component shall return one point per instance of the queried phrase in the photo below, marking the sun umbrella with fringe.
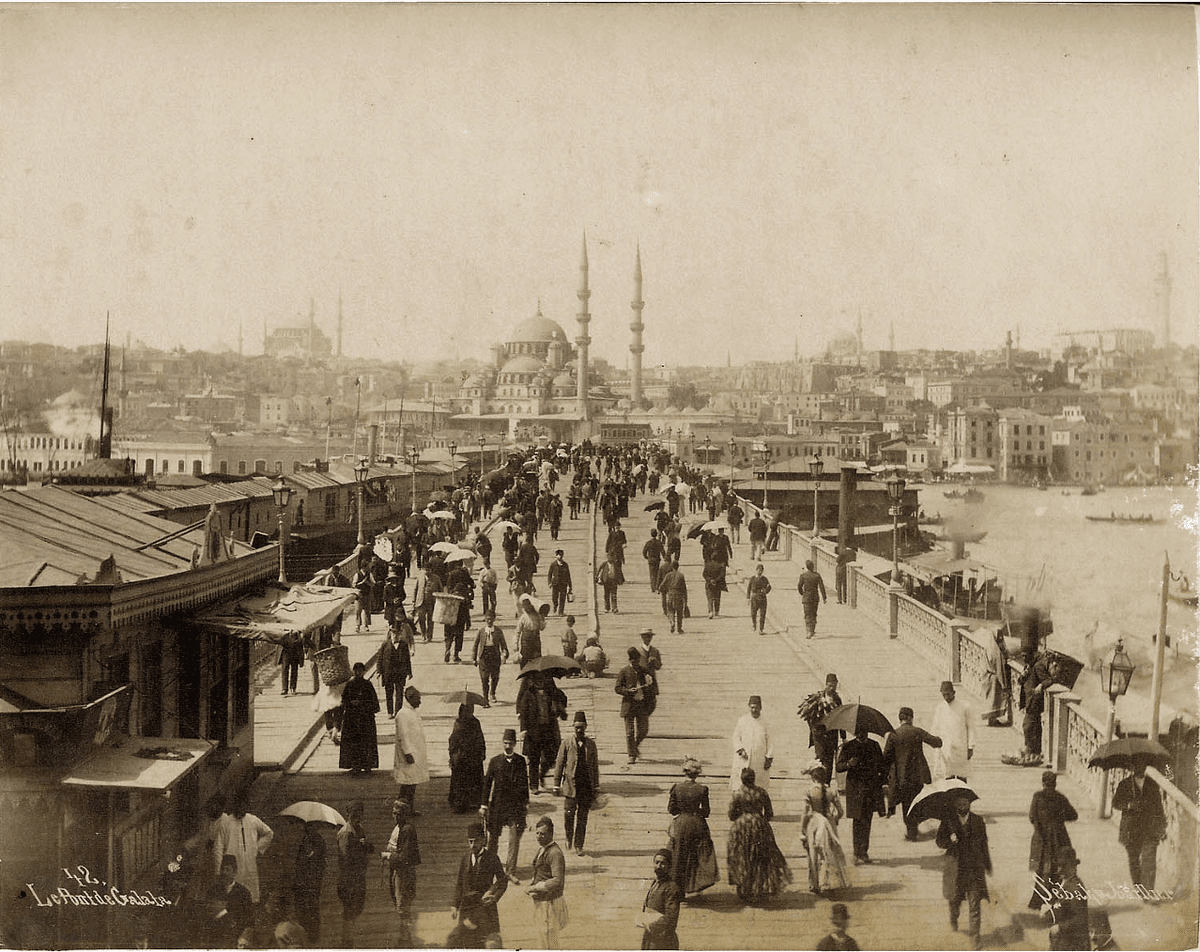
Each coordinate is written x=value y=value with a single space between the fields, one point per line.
x=936 y=801
x=310 y=811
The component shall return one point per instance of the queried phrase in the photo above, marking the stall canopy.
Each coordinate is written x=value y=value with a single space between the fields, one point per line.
x=274 y=614
x=139 y=763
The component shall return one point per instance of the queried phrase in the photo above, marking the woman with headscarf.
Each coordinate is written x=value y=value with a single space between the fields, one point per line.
x=754 y=861
x=693 y=859
x=529 y=630
x=467 y=752
x=820 y=811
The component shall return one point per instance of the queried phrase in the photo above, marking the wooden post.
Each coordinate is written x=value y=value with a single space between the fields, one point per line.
x=1159 y=647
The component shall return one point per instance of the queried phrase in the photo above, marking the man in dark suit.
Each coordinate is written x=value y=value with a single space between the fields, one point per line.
x=1143 y=824
x=659 y=918
x=905 y=760
x=577 y=778
x=558 y=576
x=231 y=907
x=863 y=762
x=506 y=800
x=633 y=682
x=968 y=862
x=481 y=882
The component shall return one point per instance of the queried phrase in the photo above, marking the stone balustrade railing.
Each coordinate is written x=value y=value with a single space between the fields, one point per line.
x=1070 y=734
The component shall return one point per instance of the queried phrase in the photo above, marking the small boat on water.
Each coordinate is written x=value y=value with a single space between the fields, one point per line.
x=1088 y=491
x=973 y=495
x=1144 y=519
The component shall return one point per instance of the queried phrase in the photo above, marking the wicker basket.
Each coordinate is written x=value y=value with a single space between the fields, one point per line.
x=446 y=608
x=333 y=664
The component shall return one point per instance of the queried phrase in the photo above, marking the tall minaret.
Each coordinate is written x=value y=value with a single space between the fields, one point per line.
x=339 y=350
x=1008 y=351
x=264 y=336
x=582 y=341
x=1162 y=297
x=636 y=348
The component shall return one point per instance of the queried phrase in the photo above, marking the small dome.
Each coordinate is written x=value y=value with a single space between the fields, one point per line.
x=522 y=364
x=564 y=380
x=537 y=329
x=474 y=382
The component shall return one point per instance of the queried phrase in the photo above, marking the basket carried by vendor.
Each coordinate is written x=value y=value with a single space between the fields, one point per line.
x=333 y=664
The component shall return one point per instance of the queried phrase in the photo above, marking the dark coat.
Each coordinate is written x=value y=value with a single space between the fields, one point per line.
x=905 y=758
x=967 y=861
x=1049 y=812
x=485 y=878
x=1142 y=816
x=866 y=772
x=663 y=897
x=631 y=682
x=467 y=750
x=506 y=790
x=395 y=662
x=360 y=741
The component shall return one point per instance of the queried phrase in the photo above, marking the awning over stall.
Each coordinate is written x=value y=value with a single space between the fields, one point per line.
x=274 y=614
x=139 y=763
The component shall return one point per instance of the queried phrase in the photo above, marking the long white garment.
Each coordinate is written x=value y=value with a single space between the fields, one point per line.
x=410 y=739
x=750 y=735
x=952 y=723
x=245 y=839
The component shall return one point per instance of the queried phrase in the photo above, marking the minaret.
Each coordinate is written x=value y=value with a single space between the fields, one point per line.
x=1162 y=297
x=636 y=348
x=264 y=336
x=582 y=341
x=339 y=350
x=1008 y=351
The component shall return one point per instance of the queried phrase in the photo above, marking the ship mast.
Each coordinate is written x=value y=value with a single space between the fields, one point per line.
x=105 y=413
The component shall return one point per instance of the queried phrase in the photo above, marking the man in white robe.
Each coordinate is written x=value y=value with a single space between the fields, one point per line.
x=952 y=723
x=751 y=747
x=411 y=764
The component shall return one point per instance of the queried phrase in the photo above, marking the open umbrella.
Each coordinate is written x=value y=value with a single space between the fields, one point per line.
x=695 y=530
x=853 y=718
x=460 y=555
x=383 y=548
x=440 y=514
x=312 y=812
x=556 y=666
x=446 y=547
x=465 y=697
x=654 y=506
x=1129 y=752
x=936 y=801
x=504 y=525
x=714 y=526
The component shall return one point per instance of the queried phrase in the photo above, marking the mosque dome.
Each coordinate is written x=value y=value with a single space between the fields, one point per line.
x=522 y=364
x=537 y=329
x=564 y=380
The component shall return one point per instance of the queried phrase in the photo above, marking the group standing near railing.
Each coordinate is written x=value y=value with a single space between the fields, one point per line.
x=1070 y=736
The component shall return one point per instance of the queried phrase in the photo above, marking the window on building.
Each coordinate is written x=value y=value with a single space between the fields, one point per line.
x=241 y=467
x=260 y=466
x=223 y=467
x=180 y=467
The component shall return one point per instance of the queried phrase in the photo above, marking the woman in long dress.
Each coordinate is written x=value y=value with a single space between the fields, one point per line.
x=360 y=740
x=754 y=861
x=820 y=811
x=467 y=752
x=693 y=859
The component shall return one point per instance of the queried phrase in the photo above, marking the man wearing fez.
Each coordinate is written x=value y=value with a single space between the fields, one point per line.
x=480 y=884
x=659 y=917
x=577 y=778
x=823 y=741
x=506 y=801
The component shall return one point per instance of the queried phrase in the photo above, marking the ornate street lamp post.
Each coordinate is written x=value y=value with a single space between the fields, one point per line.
x=1115 y=676
x=414 y=456
x=453 y=447
x=732 y=447
x=482 y=443
x=283 y=495
x=360 y=477
x=707 y=449
x=895 y=486
x=816 y=466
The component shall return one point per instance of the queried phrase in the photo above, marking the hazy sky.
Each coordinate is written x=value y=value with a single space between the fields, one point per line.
x=954 y=170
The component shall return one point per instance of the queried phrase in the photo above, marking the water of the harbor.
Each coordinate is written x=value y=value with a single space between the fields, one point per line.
x=1101 y=581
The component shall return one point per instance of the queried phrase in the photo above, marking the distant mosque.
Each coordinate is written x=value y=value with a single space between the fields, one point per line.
x=538 y=383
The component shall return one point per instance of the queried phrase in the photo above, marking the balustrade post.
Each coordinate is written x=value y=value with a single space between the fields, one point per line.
x=893 y=596
x=786 y=537
x=956 y=636
x=1056 y=735
x=852 y=583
